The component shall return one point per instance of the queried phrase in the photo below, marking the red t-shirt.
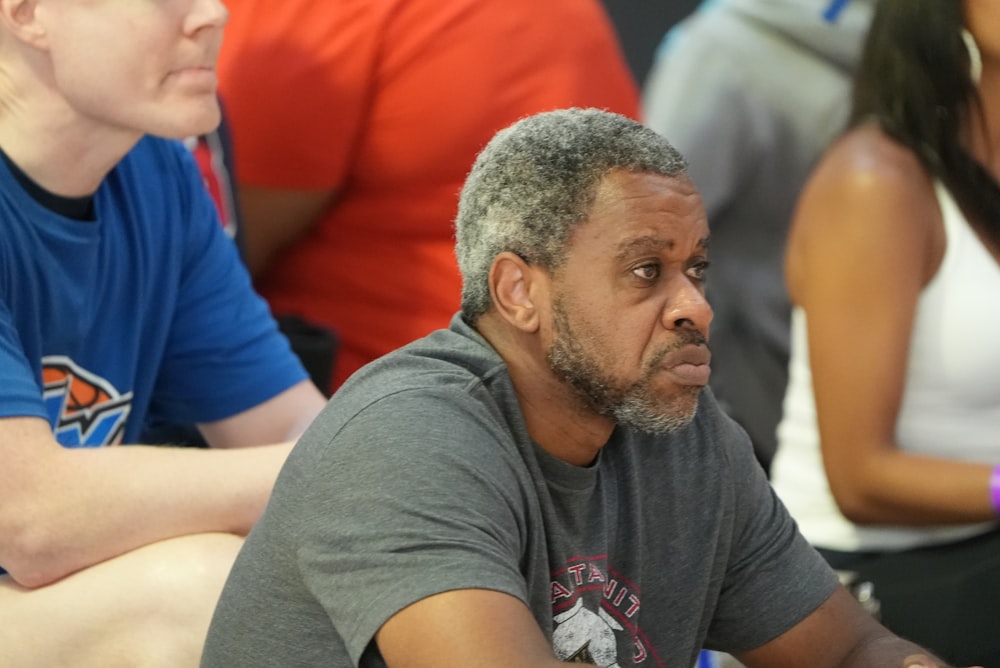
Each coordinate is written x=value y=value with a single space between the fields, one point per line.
x=388 y=102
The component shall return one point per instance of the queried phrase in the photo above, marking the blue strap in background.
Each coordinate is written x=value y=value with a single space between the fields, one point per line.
x=832 y=11
x=707 y=659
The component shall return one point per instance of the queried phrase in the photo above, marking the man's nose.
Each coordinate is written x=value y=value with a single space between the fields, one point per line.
x=688 y=307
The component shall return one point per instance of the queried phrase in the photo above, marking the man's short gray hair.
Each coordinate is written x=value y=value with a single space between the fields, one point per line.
x=536 y=180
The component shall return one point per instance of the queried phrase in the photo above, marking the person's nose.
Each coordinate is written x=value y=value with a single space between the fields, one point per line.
x=688 y=307
x=205 y=14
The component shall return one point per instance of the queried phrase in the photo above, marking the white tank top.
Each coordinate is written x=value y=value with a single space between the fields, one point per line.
x=951 y=399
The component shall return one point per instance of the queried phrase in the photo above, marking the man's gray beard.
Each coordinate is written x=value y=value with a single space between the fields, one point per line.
x=635 y=405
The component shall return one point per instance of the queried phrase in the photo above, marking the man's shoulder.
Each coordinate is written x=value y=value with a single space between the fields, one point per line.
x=453 y=357
x=431 y=408
x=451 y=371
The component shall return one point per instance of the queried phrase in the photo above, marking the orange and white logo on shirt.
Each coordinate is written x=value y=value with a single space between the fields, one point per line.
x=84 y=409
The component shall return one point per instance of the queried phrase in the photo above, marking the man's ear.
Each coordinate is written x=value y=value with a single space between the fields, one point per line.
x=19 y=18
x=515 y=287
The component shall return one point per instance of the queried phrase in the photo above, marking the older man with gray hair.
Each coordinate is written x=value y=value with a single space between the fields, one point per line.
x=547 y=480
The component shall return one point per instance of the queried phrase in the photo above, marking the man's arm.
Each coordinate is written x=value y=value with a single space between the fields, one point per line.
x=839 y=634
x=465 y=627
x=64 y=509
x=274 y=219
x=494 y=630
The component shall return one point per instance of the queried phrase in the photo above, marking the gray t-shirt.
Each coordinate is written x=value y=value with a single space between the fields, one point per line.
x=420 y=477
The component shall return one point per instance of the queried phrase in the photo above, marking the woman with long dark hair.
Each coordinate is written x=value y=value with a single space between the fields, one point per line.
x=889 y=444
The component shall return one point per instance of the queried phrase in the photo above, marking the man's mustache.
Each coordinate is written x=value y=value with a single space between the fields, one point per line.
x=685 y=337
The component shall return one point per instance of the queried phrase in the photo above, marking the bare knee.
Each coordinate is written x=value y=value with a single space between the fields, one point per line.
x=148 y=608
x=187 y=567
x=179 y=589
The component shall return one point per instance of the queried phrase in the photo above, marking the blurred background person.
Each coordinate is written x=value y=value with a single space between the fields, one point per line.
x=751 y=92
x=890 y=438
x=354 y=124
x=121 y=298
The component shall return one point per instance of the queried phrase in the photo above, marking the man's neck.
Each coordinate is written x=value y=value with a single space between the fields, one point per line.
x=556 y=418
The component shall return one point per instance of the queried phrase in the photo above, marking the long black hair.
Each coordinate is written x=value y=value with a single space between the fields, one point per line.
x=914 y=79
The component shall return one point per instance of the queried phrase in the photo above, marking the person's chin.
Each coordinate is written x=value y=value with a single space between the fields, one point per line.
x=199 y=120
x=684 y=402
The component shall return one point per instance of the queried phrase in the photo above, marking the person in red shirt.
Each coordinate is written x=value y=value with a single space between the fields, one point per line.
x=354 y=125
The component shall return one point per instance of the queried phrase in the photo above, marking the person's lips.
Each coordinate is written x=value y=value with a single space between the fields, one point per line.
x=195 y=76
x=689 y=365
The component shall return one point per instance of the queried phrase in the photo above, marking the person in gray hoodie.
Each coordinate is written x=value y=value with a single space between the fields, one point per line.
x=752 y=92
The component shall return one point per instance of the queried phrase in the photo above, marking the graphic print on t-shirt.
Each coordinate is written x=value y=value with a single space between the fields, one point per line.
x=590 y=637
x=84 y=409
x=595 y=613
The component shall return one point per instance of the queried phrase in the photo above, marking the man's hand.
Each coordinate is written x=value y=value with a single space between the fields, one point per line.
x=840 y=634
x=924 y=661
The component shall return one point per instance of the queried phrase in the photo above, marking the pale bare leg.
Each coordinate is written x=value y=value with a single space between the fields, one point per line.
x=149 y=608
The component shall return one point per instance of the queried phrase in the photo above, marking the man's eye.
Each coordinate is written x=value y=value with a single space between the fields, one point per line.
x=698 y=271
x=647 y=272
x=652 y=270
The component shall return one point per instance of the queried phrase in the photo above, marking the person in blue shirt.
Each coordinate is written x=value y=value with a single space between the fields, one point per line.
x=123 y=303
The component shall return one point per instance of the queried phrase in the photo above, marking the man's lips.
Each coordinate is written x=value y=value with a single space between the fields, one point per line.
x=689 y=365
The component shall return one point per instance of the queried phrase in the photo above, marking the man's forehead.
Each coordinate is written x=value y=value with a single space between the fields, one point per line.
x=619 y=189
x=652 y=244
x=614 y=178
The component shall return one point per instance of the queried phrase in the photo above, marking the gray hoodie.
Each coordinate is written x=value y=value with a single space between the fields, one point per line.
x=752 y=92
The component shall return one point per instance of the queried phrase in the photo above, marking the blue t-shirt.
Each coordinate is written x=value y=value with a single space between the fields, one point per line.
x=144 y=312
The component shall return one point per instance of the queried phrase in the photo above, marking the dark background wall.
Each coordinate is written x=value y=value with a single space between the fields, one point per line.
x=641 y=25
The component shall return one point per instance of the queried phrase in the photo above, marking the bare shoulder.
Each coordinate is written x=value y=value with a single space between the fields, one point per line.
x=866 y=165
x=869 y=198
